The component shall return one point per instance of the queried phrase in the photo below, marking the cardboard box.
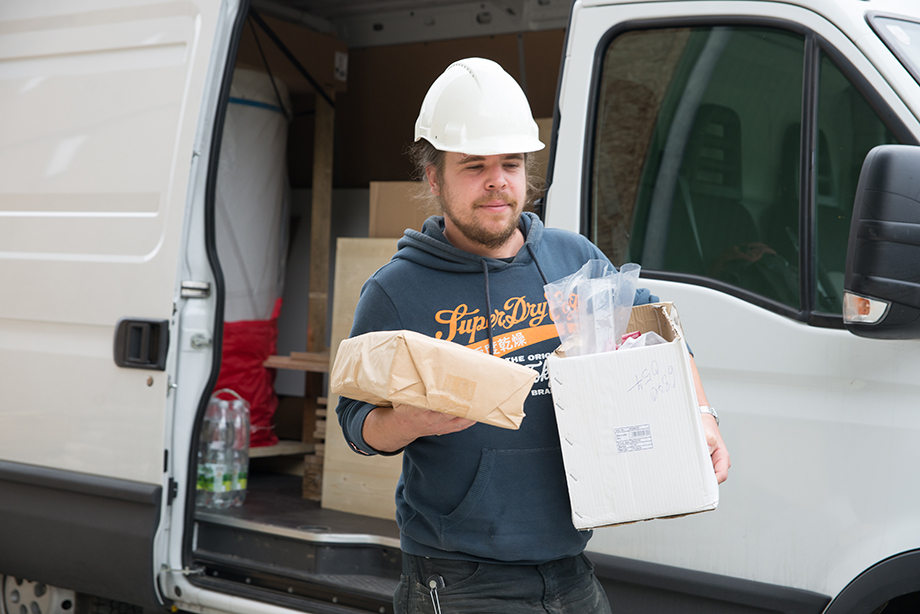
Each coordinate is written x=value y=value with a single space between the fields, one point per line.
x=395 y=206
x=630 y=429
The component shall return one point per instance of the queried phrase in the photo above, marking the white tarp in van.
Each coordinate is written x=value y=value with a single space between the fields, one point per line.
x=252 y=195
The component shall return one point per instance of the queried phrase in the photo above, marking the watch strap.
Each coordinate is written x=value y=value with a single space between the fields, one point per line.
x=709 y=409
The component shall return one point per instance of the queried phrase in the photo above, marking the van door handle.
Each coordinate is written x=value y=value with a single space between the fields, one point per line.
x=141 y=343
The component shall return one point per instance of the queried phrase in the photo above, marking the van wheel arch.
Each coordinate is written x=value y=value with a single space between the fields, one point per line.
x=882 y=583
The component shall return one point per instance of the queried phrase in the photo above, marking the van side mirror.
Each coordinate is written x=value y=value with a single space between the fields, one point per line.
x=882 y=283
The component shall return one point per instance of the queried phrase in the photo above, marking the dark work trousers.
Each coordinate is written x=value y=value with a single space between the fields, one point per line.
x=566 y=586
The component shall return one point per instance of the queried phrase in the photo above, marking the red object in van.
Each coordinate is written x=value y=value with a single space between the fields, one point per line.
x=246 y=346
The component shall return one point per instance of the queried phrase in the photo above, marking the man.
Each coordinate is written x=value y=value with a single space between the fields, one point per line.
x=483 y=512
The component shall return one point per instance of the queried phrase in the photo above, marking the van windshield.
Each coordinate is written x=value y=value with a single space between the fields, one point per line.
x=903 y=38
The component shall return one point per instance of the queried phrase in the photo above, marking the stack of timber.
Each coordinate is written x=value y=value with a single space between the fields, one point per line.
x=313 y=463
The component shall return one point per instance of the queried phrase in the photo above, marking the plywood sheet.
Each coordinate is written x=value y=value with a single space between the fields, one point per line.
x=352 y=482
x=321 y=216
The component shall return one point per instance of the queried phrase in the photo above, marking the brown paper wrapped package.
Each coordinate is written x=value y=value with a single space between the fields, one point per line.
x=392 y=367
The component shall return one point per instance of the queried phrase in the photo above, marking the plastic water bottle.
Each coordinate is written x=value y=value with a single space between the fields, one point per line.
x=223 y=452
x=215 y=450
x=239 y=477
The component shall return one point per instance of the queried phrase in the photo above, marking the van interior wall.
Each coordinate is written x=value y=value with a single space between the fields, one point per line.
x=375 y=112
x=375 y=118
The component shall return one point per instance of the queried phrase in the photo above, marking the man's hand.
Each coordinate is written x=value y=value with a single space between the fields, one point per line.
x=717 y=450
x=389 y=429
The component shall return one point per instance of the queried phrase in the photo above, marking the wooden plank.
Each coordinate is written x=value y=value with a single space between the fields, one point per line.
x=313 y=478
x=321 y=224
x=298 y=364
x=314 y=356
x=352 y=482
x=282 y=448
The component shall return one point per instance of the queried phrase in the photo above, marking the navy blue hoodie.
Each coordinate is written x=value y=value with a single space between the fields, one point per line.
x=485 y=493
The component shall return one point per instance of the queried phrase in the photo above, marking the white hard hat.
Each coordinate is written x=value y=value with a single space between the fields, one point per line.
x=476 y=108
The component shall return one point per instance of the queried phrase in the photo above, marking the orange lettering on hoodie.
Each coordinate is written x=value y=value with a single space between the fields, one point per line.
x=453 y=319
x=463 y=321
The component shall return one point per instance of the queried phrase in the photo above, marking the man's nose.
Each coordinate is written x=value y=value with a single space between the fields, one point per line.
x=495 y=179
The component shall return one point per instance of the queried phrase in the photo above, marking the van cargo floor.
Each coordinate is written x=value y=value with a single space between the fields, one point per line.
x=278 y=541
x=275 y=500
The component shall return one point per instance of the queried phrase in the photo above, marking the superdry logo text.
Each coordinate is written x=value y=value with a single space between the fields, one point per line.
x=463 y=321
x=463 y=324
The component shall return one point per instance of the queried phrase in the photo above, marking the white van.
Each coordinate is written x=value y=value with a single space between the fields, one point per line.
x=719 y=144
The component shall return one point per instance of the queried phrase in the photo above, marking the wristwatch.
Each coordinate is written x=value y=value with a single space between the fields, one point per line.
x=709 y=409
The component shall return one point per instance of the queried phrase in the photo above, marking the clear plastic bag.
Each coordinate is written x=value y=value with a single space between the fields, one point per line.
x=591 y=307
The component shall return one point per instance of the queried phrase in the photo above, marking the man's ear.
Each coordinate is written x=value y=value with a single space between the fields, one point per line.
x=432 y=174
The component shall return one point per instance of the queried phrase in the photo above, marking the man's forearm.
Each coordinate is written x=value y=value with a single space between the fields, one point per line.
x=385 y=430
x=389 y=429
x=698 y=384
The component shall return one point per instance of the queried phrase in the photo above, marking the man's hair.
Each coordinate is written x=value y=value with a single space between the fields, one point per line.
x=423 y=154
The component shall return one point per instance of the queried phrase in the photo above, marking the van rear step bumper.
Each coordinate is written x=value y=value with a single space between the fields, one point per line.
x=288 y=551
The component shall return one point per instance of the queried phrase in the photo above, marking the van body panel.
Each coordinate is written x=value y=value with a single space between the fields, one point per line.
x=101 y=105
x=49 y=519
x=638 y=586
x=818 y=466
x=821 y=424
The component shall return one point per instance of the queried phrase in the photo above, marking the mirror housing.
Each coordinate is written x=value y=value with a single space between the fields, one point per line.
x=882 y=283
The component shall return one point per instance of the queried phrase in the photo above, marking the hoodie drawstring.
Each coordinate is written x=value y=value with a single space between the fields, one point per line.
x=485 y=272
x=533 y=257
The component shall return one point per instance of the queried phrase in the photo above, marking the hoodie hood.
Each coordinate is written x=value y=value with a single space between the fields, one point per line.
x=430 y=248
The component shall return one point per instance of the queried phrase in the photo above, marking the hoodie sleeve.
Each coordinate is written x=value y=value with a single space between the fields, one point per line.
x=644 y=296
x=375 y=312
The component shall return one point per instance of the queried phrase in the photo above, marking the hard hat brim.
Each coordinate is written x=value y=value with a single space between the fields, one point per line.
x=490 y=146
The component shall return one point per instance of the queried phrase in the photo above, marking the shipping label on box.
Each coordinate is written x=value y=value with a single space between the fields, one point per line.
x=630 y=429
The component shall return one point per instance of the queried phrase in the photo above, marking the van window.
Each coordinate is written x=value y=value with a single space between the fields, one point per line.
x=696 y=155
x=903 y=38
x=847 y=129
x=696 y=172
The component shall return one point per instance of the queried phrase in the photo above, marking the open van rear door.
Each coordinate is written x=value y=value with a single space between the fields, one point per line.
x=100 y=110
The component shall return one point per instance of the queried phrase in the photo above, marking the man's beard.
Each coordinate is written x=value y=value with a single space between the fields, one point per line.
x=479 y=235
